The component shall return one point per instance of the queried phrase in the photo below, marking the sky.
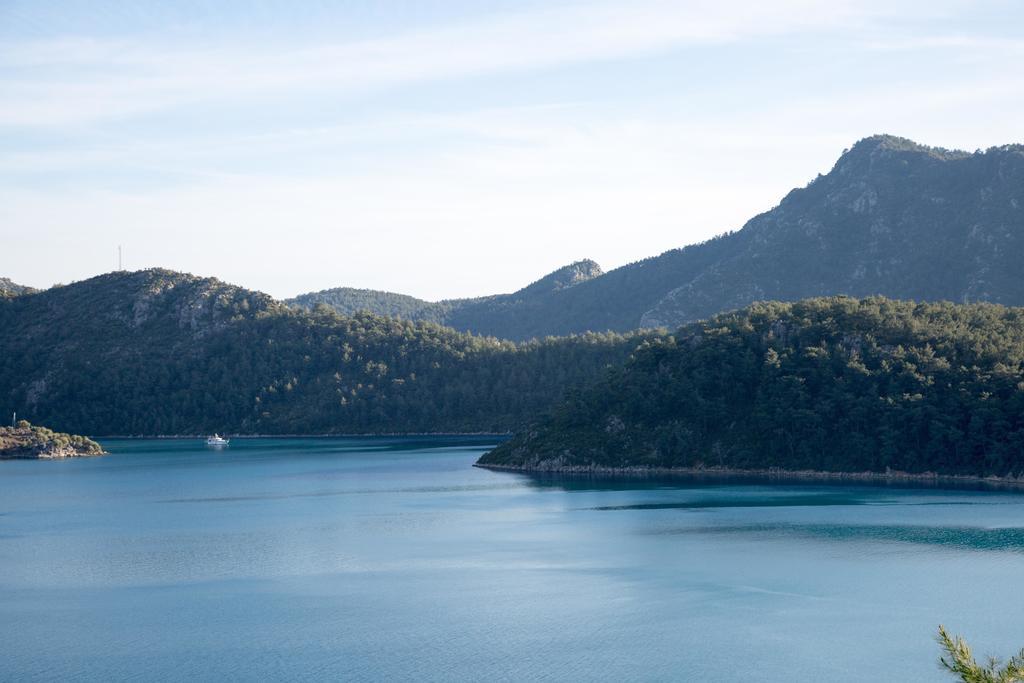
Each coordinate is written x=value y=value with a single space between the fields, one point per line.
x=452 y=148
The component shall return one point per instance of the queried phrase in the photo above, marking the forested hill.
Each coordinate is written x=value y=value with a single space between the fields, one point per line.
x=892 y=218
x=837 y=384
x=349 y=301
x=160 y=352
x=509 y=316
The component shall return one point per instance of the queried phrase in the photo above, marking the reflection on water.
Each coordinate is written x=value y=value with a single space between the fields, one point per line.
x=642 y=482
x=755 y=501
x=344 y=492
x=394 y=559
x=966 y=538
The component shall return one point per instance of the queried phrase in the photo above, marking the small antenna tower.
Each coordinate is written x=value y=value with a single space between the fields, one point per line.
x=119 y=266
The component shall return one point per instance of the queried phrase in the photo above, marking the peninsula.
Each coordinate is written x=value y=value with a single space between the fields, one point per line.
x=27 y=442
x=836 y=387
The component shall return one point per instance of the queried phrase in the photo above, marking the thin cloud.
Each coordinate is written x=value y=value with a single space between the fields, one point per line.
x=162 y=145
x=82 y=80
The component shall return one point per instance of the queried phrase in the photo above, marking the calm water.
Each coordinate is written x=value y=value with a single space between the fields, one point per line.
x=393 y=559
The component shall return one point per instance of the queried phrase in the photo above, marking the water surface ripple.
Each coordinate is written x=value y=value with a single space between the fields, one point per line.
x=394 y=559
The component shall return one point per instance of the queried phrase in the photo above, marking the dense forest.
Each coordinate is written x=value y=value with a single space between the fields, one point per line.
x=833 y=384
x=159 y=352
x=892 y=218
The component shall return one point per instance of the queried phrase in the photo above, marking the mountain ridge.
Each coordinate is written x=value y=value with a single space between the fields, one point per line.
x=463 y=314
x=885 y=220
x=892 y=217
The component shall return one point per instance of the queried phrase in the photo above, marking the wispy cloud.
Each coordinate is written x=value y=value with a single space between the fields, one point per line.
x=78 y=80
x=406 y=159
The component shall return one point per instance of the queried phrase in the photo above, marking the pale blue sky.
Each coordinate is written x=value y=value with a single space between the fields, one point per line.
x=456 y=148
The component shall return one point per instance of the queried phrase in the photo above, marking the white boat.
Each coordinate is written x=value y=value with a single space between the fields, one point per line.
x=217 y=440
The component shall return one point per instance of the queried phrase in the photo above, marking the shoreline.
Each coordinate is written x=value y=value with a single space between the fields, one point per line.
x=769 y=474
x=326 y=435
x=52 y=456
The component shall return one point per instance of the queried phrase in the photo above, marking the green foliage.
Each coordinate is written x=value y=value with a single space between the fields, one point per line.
x=157 y=352
x=349 y=301
x=26 y=441
x=959 y=661
x=835 y=385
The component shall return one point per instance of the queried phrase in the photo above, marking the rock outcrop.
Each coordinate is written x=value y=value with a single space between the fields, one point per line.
x=27 y=442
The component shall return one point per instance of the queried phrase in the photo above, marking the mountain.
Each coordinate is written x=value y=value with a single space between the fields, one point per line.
x=509 y=316
x=9 y=288
x=831 y=385
x=160 y=352
x=891 y=218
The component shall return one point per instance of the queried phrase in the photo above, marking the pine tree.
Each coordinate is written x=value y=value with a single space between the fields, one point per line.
x=959 y=661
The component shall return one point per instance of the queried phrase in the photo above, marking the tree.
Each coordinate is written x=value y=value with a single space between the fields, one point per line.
x=959 y=661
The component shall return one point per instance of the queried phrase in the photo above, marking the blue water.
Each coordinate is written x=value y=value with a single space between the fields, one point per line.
x=394 y=559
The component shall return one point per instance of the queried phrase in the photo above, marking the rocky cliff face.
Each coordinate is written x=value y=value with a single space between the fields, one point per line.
x=563 y=278
x=198 y=305
x=141 y=300
x=9 y=288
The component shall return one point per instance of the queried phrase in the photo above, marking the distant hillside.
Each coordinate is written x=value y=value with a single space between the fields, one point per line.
x=8 y=288
x=892 y=218
x=160 y=352
x=511 y=316
x=349 y=301
x=834 y=385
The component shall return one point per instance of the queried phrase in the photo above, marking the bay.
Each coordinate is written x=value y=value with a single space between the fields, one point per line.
x=395 y=559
